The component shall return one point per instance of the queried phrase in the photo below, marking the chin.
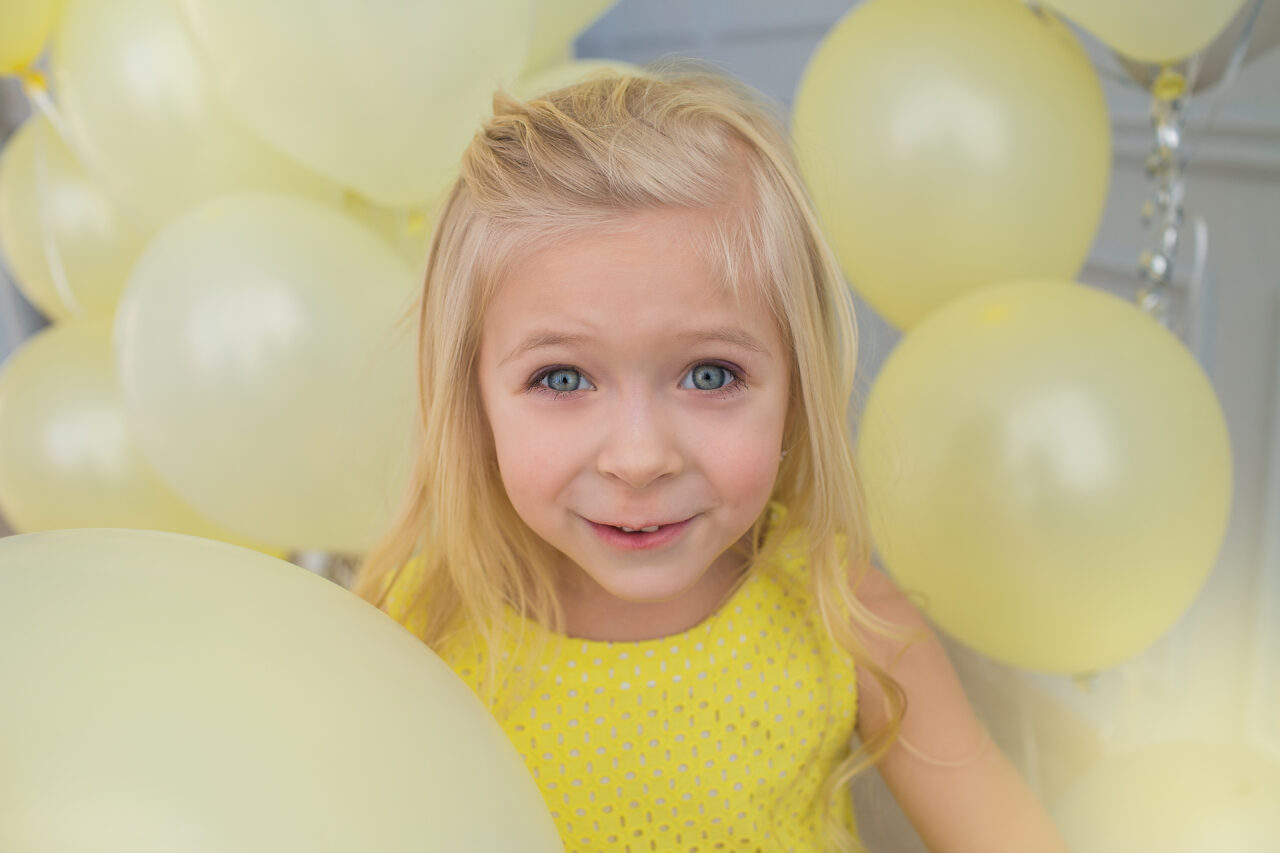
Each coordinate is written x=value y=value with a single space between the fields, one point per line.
x=640 y=586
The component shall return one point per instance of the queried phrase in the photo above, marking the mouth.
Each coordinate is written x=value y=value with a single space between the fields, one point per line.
x=639 y=535
x=645 y=528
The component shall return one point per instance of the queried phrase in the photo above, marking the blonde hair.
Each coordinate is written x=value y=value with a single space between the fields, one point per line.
x=574 y=161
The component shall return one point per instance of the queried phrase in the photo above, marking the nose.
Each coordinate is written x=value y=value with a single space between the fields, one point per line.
x=642 y=444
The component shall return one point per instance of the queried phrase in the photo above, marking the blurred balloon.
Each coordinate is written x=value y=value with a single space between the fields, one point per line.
x=567 y=73
x=26 y=28
x=950 y=144
x=380 y=96
x=1050 y=468
x=406 y=230
x=1215 y=60
x=556 y=25
x=166 y=693
x=263 y=371
x=67 y=455
x=69 y=249
x=1181 y=797
x=145 y=120
x=1151 y=30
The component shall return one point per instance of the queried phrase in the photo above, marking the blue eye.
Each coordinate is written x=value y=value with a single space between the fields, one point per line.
x=564 y=380
x=710 y=377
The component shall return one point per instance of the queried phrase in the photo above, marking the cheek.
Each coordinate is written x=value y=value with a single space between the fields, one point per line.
x=531 y=459
x=746 y=458
x=747 y=469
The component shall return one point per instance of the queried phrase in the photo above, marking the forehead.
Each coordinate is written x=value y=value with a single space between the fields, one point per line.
x=656 y=267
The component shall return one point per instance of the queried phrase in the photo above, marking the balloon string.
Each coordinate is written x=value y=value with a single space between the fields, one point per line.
x=1234 y=63
x=979 y=750
x=36 y=89
x=919 y=754
x=1200 y=297
x=1165 y=164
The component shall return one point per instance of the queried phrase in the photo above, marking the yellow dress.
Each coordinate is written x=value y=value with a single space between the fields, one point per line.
x=717 y=738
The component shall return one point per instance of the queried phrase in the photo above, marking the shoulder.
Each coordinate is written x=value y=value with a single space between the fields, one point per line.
x=901 y=642
x=943 y=769
x=896 y=635
x=877 y=592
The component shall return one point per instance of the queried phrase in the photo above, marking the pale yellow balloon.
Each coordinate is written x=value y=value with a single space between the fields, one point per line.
x=557 y=24
x=68 y=457
x=1216 y=59
x=162 y=693
x=65 y=241
x=1179 y=797
x=380 y=96
x=1152 y=30
x=144 y=117
x=24 y=28
x=566 y=74
x=1051 y=470
x=265 y=350
x=406 y=230
x=950 y=144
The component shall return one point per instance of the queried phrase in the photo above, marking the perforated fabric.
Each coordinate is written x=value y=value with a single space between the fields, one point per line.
x=718 y=738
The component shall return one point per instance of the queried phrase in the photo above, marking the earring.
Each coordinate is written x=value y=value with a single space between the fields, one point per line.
x=782 y=455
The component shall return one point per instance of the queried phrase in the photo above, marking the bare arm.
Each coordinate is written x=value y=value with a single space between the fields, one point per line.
x=955 y=786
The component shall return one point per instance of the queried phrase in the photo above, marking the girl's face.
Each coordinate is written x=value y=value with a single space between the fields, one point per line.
x=627 y=388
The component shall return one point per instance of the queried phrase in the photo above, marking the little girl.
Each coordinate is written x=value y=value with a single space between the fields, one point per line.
x=635 y=526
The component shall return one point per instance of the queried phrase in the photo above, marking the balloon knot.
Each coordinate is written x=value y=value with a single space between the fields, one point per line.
x=33 y=80
x=1169 y=85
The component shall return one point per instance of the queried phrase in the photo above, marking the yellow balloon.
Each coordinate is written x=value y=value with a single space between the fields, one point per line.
x=24 y=28
x=1152 y=30
x=381 y=97
x=166 y=693
x=1179 y=797
x=950 y=144
x=566 y=74
x=68 y=457
x=406 y=230
x=145 y=119
x=267 y=368
x=65 y=241
x=556 y=24
x=1051 y=470
x=1217 y=58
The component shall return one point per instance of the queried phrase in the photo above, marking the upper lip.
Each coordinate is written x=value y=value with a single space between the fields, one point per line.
x=640 y=525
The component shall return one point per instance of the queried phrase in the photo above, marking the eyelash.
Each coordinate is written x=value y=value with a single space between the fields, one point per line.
x=735 y=387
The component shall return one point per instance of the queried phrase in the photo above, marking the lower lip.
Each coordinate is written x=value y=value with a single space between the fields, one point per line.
x=640 y=541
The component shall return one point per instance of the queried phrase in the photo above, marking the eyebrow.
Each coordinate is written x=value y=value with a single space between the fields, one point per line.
x=728 y=335
x=540 y=339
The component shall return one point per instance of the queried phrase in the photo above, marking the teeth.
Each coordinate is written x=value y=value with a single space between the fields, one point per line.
x=649 y=529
